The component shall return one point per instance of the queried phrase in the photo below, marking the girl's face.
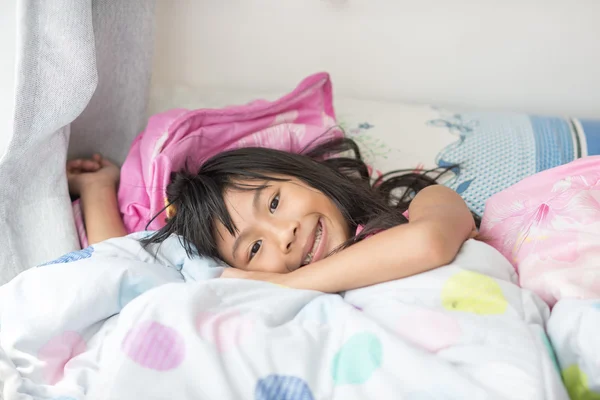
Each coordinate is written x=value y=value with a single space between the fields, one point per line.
x=281 y=227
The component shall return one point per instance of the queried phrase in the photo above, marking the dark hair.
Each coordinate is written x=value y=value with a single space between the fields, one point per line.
x=334 y=168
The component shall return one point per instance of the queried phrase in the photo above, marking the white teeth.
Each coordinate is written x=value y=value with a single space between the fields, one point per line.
x=311 y=253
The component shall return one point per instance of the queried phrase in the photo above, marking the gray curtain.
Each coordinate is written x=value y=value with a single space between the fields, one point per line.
x=83 y=74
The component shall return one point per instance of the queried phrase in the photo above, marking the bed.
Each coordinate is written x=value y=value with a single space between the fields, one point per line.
x=109 y=321
x=107 y=326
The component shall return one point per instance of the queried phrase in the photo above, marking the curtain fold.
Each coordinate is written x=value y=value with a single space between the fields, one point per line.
x=77 y=60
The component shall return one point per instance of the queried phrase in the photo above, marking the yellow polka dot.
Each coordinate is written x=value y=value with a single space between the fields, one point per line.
x=469 y=291
x=576 y=382
x=281 y=286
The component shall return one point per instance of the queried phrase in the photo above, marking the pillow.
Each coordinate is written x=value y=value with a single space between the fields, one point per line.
x=492 y=151
x=182 y=138
x=548 y=227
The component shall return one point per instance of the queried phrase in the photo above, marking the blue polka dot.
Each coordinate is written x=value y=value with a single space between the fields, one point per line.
x=281 y=387
x=73 y=256
x=133 y=286
x=596 y=306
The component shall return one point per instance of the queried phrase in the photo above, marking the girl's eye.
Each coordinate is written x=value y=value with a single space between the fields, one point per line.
x=274 y=204
x=255 y=248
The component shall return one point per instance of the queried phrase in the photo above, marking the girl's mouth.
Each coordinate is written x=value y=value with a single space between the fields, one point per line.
x=316 y=250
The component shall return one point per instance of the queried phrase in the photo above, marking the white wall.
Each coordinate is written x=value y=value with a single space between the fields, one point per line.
x=8 y=24
x=522 y=55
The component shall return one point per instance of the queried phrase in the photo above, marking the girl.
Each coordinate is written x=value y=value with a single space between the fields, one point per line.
x=308 y=221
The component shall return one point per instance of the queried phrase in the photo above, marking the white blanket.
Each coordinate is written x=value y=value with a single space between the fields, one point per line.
x=573 y=330
x=114 y=322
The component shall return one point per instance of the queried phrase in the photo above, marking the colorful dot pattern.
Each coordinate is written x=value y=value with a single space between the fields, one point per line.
x=158 y=347
x=281 y=387
x=154 y=346
x=576 y=382
x=472 y=292
x=225 y=331
x=357 y=360
x=57 y=352
x=73 y=256
x=431 y=330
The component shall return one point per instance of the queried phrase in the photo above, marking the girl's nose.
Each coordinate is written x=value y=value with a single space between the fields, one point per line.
x=286 y=231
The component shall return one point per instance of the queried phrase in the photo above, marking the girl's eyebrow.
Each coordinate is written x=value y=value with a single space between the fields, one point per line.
x=255 y=204
x=257 y=195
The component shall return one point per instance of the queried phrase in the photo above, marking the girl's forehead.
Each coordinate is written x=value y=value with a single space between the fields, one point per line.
x=251 y=185
x=261 y=179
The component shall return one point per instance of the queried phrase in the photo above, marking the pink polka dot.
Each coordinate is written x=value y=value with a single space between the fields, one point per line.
x=57 y=352
x=224 y=330
x=431 y=330
x=155 y=346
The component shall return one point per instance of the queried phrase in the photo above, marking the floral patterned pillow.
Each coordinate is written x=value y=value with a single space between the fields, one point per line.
x=491 y=151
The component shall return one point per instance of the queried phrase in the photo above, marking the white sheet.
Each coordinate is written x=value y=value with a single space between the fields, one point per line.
x=113 y=322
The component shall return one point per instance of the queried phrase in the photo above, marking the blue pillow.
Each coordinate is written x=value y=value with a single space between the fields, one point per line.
x=496 y=150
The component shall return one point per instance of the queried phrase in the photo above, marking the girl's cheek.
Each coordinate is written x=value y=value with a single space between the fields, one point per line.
x=270 y=261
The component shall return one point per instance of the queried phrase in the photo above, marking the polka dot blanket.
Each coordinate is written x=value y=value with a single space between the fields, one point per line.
x=115 y=322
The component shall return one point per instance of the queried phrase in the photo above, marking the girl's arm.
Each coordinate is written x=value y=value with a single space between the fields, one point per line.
x=440 y=222
x=95 y=181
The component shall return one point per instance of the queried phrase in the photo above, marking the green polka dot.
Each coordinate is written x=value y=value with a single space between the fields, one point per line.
x=550 y=350
x=469 y=291
x=358 y=358
x=577 y=385
x=576 y=382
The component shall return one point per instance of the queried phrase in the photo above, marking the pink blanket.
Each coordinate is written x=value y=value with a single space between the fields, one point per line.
x=548 y=226
x=178 y=136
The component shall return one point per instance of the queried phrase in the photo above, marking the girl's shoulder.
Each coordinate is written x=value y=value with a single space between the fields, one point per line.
x=360 y=228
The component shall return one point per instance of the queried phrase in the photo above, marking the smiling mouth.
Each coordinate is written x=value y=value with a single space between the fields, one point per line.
x=318 y=236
